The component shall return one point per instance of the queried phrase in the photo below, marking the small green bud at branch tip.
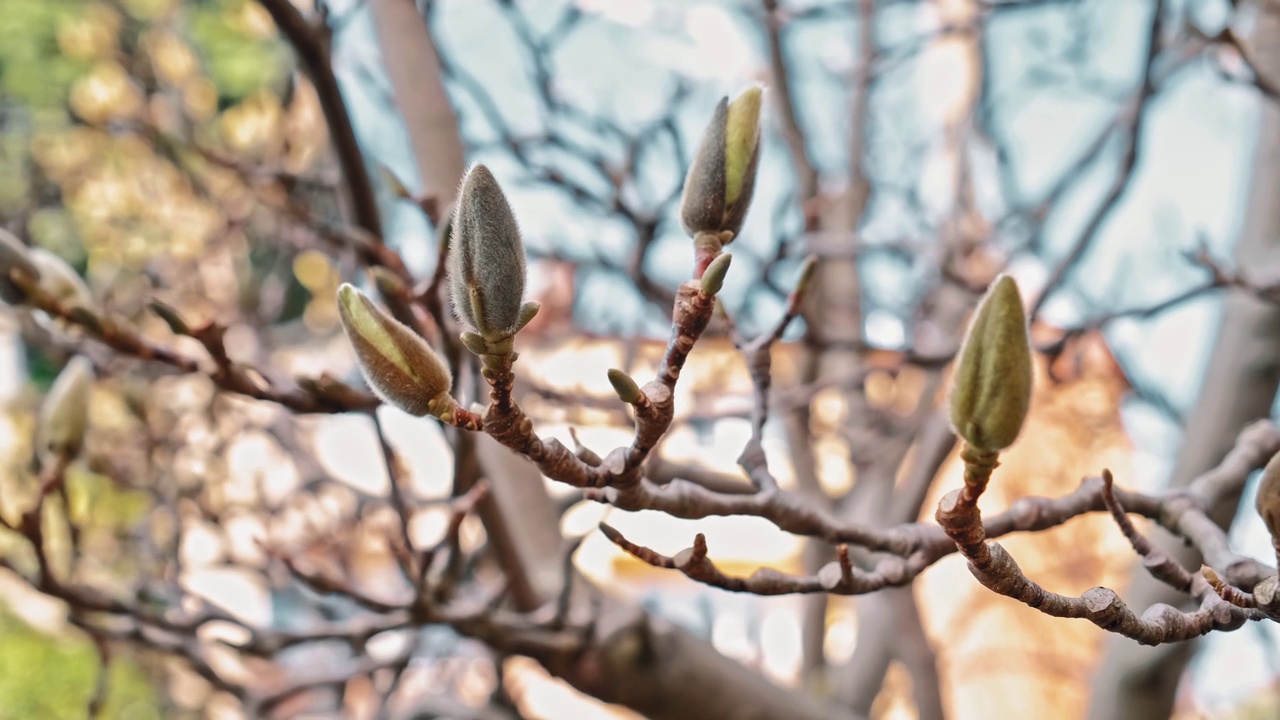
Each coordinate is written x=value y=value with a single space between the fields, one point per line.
x=528 y=312
x=60 y=280
x=807 y=271
x=474 y=343
x=713 y=276
x=387 y=282
x=626 y=388
x=170 y=317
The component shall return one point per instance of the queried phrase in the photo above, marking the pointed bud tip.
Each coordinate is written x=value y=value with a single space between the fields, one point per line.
x=748 y=102
x=742 y=138
x=394 y=183
x=626 y=388
x=399 y=365
x=807 y=271
x=64 y=417
x=477 y=175
x=991 y=394
x=713 y=276
x=486 y=257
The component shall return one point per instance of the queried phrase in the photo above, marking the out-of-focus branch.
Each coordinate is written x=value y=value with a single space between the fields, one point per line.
x=913 y=547
x=310 y=40
x=410 y=57
x=1133 y=125
x=780 y=73
x=1240 y=383
x=319 y=395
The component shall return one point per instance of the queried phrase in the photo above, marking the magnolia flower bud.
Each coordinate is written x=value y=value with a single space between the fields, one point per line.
x=992 y=386
x=61 y=280
x=1268 y=501
x=486 y=258
x=400 y=366
x=64 y=416
x=14 y=258
x=722 y=177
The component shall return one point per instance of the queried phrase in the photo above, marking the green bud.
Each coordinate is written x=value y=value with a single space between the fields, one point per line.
x=474 y=343
x=628 y=391
x=722 y=177
x=170 y=316
x=807 y=271
x=388 y=283
x=61 y=280
x=399 y=365
x=528 y=312
x=394 y=184
x=742 y=141
x=64 y=416
x=15 y=258
x=713 y=276
x=486 y=258
x=992 y=385
x=1268 y=501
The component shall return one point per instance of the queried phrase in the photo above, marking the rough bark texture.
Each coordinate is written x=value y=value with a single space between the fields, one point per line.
x=1139 y=683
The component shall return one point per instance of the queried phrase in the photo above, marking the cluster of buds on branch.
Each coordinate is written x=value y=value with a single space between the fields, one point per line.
x=484 y=256
x=486 y=265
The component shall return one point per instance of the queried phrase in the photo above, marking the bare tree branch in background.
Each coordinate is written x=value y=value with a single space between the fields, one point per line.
x=482 y=575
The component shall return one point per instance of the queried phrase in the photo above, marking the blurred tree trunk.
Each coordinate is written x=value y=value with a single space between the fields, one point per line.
x=1140 y=683
x=889 y=624
x=414 y=68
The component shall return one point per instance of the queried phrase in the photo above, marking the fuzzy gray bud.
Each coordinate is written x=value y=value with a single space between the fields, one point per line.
x=486 y=258
x=400 y=366
x=993 y=378
x=722 y=177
